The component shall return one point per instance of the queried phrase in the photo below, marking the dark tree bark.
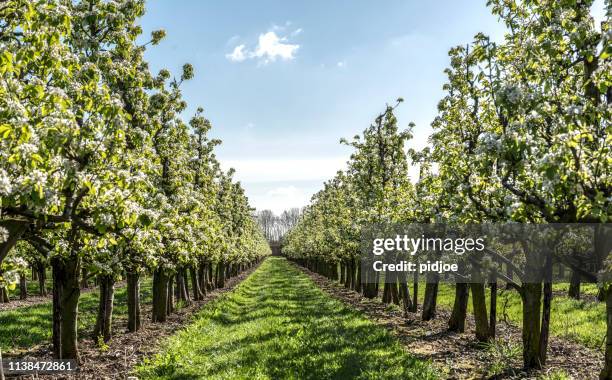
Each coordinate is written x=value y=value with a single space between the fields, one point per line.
x=342 y=272
x=104 y=320
x=66 y=293
x=23 y=287
x=211 y=282
x=181 y=287
x=415 y=291
x=42 y=278
x=404 y=294
x=353 y=273
x=171 y=295
x=4 y=296
x=220 y=274
x=531 y=296
x=479 y=305
x=369 y=289
x=185 y=288
x=347 y=279
x=358 y=280
x=84 y=279
x=493 y=305
x=574 y=287
x=430 y=298
x=546 y=304
x=456 y=322
x=195 y=283
x=160 y=295
x=133 y=301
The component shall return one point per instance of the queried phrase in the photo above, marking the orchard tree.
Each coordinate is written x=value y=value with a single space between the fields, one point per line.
x=524 y=126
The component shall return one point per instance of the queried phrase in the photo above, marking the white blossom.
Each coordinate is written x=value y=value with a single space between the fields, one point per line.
x=4 y=235
x=5 y=183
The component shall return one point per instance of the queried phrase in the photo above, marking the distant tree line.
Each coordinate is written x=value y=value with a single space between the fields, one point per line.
x=276 y=226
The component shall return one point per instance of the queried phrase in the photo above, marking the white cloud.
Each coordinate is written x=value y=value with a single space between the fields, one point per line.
x=238 y=55
x=341 y=64
x=270 y=47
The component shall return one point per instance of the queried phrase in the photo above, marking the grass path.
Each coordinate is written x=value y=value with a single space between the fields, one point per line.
x=278 y=325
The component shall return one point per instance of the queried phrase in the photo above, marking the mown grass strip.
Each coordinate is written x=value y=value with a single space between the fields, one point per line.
x=279 y=325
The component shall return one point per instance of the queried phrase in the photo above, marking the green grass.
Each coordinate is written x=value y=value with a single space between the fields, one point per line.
x=579 y=321
x=589 y=289
x=25 y=327
x=32 y=286
x=279 y=325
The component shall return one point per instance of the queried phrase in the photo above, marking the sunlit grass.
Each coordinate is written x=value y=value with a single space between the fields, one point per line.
x=25 y=327
x=580 y=321
x=279 y=325
x=32 y=286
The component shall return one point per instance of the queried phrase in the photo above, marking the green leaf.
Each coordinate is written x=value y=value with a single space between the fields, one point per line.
x=5 y=130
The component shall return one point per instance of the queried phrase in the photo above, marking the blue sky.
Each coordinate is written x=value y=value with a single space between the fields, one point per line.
x=282 y=81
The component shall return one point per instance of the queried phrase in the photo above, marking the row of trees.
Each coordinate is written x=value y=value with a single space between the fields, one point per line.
x=522 y=135
x=99 y=175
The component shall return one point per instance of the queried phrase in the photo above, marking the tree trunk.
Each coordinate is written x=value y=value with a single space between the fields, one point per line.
x=185 y=288
x=430 y=298
x=493 y=305
x=195 y=283
x=342 y=272
x=181 y=287
x=456 y=322
x=369 y=288
x=160 y=295
x=211 y=283
x=23 y=287
x=404 y=294
x=531 y=297
x=606 y=373
x=358 y=280
x=66 y=293
x=353 y=273
x=479 y=305
x=42 y=278
x=171 y=295
x=415 y=291
x=386 y=297
x=4 y=296
x=104 y=320
x=220 y=274
x=84 y=282
x=574 y=287
x=546 y=304
x=133 y=301
x=347 y=279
